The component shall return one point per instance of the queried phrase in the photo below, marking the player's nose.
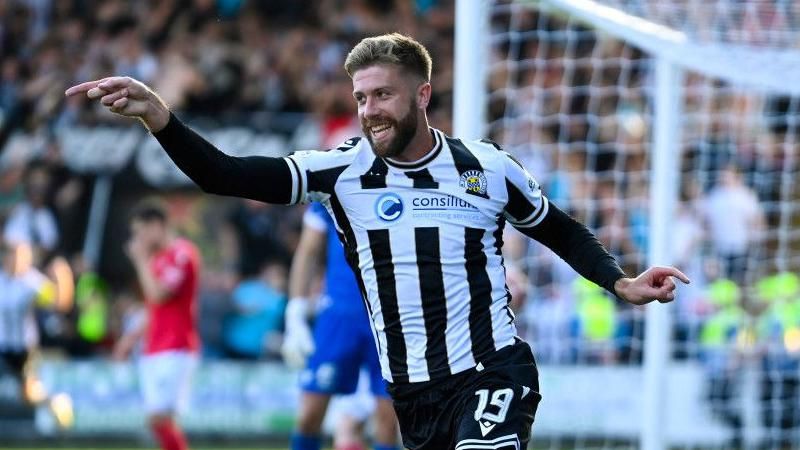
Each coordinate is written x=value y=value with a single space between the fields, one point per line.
x=369 y=109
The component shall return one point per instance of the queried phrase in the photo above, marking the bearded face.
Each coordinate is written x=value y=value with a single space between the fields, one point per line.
x=389 y=136
x=387 y=108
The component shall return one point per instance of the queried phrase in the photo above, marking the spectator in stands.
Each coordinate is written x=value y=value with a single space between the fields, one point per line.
x=241 y=50
x=255 y=233
x=253 y=329
x=552 y=315
x=721 y=360
x=10 y=90
x=68 y=196
x=779 y=343
x=32 y=221
x=88 y=324
x=687 y=254
x=132 y=58
x=735 y=221
x=595 y=324
x=613 y=223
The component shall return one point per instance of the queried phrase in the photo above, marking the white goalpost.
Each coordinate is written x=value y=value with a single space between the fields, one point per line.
x=649 y=104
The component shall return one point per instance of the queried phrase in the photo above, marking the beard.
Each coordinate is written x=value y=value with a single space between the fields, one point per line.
x=403 y=129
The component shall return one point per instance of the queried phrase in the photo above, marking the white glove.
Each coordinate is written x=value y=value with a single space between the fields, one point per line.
x=298 y=342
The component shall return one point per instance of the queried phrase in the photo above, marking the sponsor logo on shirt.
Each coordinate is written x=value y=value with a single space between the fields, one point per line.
x=432 y=202
x=389 y=207
x=444 y=207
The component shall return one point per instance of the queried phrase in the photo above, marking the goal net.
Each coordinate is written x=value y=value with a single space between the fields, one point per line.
x=572 y=91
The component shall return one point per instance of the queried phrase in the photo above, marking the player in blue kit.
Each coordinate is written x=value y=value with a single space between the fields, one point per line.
x=342 y=342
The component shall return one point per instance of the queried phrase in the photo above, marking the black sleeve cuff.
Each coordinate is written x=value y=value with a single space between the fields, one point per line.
x=169 y=130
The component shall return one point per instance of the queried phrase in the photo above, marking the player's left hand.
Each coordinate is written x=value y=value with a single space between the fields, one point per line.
x=127 y=97
x=656 y=283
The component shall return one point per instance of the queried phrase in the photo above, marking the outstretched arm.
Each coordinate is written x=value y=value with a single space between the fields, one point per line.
x=255 y=177
x=576 y=245
x=531 y=213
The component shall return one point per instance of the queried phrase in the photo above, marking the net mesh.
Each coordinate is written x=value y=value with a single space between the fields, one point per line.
x=576 y=105
x=762 y=23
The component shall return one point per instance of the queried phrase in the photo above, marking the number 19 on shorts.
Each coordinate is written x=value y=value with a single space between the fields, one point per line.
x=499 y=399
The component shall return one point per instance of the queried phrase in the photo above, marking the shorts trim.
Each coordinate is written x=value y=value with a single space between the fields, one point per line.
x=507 y=441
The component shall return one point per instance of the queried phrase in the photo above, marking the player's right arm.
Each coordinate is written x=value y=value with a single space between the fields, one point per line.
x=310 y=250
x=256 y=177
x=298 y=342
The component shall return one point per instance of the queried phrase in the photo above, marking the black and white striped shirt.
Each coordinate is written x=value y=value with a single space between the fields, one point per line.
x=425 y=238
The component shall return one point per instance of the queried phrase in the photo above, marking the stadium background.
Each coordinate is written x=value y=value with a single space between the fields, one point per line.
x=260 y=77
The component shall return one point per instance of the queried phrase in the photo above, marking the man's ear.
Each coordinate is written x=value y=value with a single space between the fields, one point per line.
x=423 y=95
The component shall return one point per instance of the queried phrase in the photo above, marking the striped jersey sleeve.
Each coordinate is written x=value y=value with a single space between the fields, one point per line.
x=314 y=173
x=527 y=205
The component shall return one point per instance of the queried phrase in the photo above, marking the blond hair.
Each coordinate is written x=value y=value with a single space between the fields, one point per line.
x=393 y=48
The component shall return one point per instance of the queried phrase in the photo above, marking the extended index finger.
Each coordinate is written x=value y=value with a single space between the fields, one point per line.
x=671 y=271
x=112 y=83
x=83 y=87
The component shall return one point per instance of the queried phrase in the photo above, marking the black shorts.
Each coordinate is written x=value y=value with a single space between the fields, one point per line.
x=13 y=362
x=488 y=409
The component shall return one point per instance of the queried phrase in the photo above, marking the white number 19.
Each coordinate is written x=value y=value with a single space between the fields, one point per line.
x=501 y=398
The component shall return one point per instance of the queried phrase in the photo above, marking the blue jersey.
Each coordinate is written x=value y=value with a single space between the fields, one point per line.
x=341 y=286
x=343 y=337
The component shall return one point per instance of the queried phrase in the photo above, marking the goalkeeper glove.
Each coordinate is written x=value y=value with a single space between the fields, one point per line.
x=297 y=340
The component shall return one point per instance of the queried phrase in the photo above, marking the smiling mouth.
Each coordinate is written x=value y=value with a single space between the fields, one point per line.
x=379 y=131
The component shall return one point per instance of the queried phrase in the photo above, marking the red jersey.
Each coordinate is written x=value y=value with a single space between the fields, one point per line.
x=172 y=323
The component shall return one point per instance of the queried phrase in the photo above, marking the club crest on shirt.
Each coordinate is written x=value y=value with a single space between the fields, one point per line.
x=533 y=186
x=474 y=181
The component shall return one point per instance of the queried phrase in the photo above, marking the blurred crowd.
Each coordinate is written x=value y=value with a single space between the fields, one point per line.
x=769 y=24
x=232 y=61
x=274 y=66
x=576 y=107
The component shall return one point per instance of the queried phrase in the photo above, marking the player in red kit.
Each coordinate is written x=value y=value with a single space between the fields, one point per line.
x=168 y=269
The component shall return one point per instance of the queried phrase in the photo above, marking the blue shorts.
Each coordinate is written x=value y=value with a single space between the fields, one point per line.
x=344 y=344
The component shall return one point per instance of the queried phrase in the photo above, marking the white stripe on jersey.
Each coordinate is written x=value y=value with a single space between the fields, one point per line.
x=501 y=312
x=459 y=346
x=410 y=302
x=424 y=239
